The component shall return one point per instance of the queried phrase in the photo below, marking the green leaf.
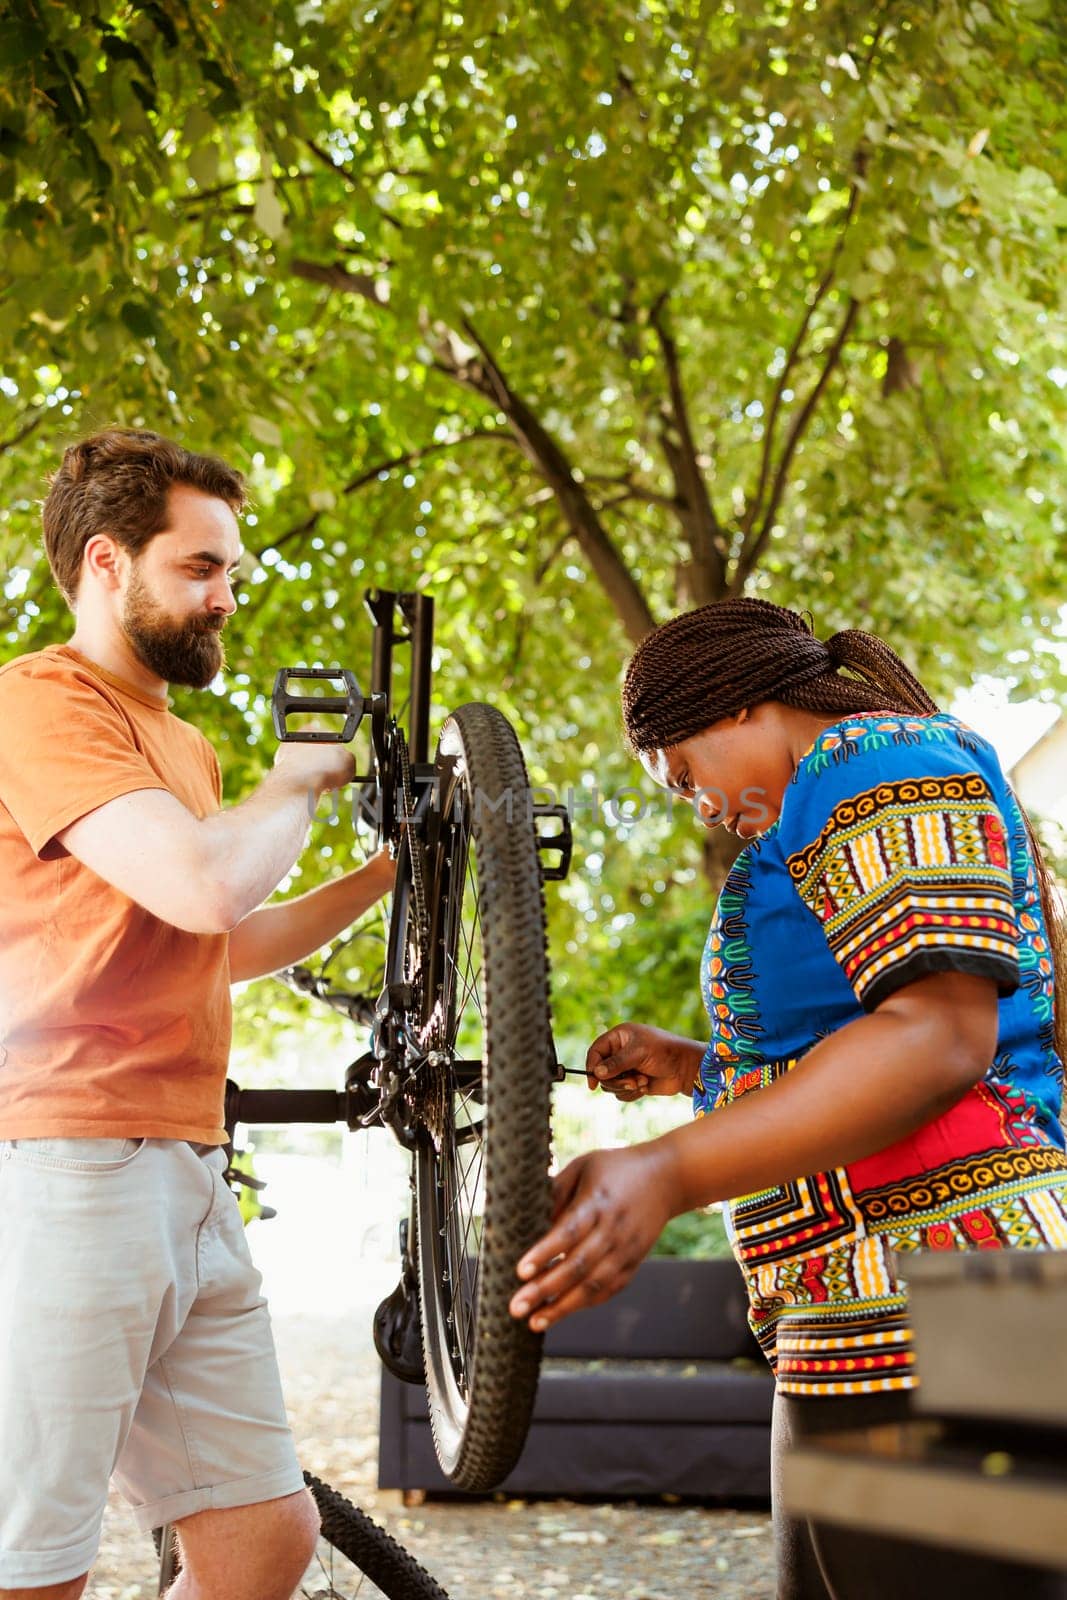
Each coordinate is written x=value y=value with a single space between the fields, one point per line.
x=265 y=431
x=864 y=284
x=21 y=258
x=268 y=210
x=203 y=165
x=944 y=193
x=21 y=42
x=198 y=125
x=138 y=319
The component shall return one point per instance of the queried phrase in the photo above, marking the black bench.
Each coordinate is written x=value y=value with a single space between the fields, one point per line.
x=662 y=1390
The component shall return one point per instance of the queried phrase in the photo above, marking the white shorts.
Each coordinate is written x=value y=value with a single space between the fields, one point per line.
x=134 y=1344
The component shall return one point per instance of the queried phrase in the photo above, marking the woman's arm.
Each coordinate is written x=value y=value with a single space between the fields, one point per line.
x=865 y=1087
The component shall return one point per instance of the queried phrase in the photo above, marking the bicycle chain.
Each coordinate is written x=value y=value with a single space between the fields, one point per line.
x=432 y=1099
x=418 y=880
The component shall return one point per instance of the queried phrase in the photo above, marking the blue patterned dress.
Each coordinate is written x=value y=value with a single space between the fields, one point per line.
x=899 y=851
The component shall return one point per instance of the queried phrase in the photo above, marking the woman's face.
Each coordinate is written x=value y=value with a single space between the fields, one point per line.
x=736 y=771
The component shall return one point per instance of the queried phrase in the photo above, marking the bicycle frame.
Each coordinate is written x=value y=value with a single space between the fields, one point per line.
x=371 y=1092
x=371 y=1095
x=403 y=796
x=417 y=611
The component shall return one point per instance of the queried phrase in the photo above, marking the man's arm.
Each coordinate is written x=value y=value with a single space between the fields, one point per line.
x=277 y=936
x=206 y=875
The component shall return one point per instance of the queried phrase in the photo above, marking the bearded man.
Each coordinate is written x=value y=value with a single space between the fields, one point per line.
x=134 y=1341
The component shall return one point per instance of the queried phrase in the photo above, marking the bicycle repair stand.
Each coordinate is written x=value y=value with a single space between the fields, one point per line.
x=353 y=1105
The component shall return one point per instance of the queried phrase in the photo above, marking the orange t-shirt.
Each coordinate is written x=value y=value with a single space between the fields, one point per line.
x=112 y=1023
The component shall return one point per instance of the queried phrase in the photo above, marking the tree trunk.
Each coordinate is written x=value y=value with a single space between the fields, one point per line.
x=721 y=850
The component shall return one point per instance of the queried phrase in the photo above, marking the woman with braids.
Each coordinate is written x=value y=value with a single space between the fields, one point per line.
x=883 y=1073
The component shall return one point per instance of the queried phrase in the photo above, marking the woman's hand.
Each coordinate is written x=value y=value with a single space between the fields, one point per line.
x=632 y=1059
x=609 y=1207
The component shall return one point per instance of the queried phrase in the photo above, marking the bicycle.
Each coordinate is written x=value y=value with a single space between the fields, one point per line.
x=462 y=1060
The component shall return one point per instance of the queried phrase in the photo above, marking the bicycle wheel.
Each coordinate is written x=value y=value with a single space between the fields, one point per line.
x=367 y=1552
x=469 y=940
x=353 y=1535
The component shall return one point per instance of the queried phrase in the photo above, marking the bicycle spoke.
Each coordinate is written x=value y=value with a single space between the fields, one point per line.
x=461 y=1181
x=466 y=1262
x=469 y=941
x=447 y=1189
x=468 y=934
x=331 y=1592
x=466 y=1221
x=467 y=1098
x=472 y=1307
x=469 y=981
x=461 y=1186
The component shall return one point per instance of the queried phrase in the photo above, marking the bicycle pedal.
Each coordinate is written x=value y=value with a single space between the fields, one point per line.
x=563 y=841
x=352 y=705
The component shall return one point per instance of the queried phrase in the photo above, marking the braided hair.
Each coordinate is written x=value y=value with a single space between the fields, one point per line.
x=708 y=664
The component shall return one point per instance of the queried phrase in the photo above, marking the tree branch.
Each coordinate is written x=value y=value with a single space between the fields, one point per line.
x=751 y=553
x=197 y=195
x=693 y=503
x=547 y=562
x=337 y=276
x=634 y=491
x=457 y=358
x=324 y=157
x=752 y=548
x=859 y=164
x=369 y=474
x=21 y=433
x=483 y=374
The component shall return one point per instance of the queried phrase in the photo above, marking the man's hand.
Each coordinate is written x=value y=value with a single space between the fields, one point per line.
x=609 y=1207
x=315 y=767
x=632 y=1059
x=379 y=872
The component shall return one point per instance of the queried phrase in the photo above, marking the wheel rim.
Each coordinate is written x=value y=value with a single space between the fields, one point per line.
x=478 y=1028
x=451 y=1178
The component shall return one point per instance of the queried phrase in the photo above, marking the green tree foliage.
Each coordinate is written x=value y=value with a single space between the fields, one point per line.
x=573 y=314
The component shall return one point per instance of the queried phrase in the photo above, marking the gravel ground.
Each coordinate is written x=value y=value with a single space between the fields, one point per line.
x=524 y=1550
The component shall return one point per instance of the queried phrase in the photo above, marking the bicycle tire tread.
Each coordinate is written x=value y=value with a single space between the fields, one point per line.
x=369 y=1547
x=507 y=1354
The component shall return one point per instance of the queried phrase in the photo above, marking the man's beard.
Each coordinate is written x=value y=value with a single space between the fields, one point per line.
x=189 y=653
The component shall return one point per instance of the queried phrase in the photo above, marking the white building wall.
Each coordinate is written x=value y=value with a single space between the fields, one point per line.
x=1039 y=778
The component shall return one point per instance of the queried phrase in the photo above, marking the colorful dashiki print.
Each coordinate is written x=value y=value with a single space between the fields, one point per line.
x=900 y=850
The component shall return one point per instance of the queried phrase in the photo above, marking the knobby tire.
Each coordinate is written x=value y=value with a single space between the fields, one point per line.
x=376 y=1553
x=486 y=913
